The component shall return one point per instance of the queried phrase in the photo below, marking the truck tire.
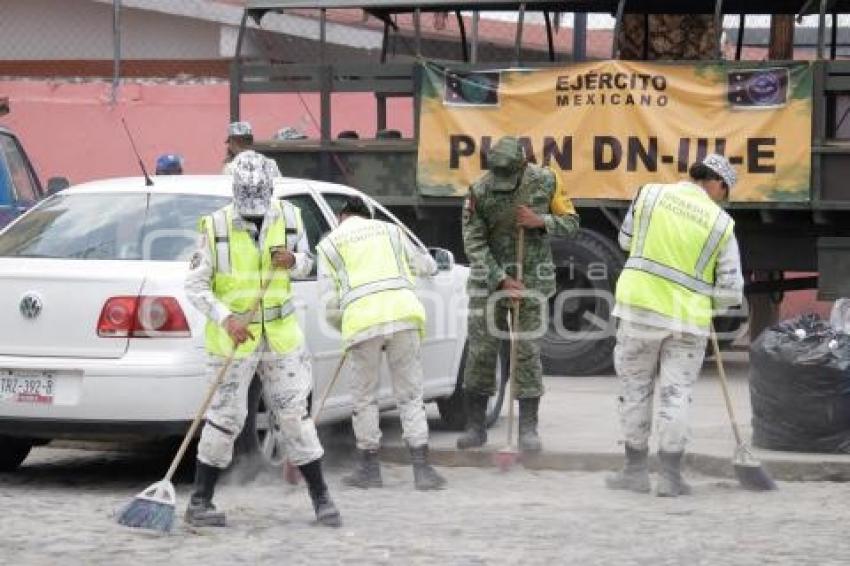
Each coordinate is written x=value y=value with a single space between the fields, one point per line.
x=13 y=452
x=452 y=409
x=259 y=446
x=581 y=336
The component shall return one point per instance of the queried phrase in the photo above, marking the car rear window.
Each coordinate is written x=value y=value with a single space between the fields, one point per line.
x=171 y=229
x=125 y=226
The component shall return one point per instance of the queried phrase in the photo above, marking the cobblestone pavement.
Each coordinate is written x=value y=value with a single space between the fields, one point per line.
x=58 y=509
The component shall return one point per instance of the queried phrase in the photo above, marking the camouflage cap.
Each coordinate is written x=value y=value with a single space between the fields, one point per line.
x=505 y=159
x=289 y=133
x=239 y=129
x=722 y=167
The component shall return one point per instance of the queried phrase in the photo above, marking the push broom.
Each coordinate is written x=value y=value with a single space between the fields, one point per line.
x=506 y=457
x=153 y=507
x=750 y=473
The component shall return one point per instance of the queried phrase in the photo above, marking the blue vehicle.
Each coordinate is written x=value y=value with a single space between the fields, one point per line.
x=20 y=187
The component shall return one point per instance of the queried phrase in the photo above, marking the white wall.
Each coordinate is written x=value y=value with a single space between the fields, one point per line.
x=82 y=29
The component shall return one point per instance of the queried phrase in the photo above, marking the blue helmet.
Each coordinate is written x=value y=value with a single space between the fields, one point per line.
x=169 y=164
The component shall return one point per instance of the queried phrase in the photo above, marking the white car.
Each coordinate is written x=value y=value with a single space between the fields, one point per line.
x=98 y=340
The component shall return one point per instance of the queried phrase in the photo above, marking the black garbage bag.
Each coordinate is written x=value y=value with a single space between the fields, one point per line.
x=800 y=387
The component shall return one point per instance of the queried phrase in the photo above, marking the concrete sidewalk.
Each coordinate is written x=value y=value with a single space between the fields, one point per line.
x=579 y=425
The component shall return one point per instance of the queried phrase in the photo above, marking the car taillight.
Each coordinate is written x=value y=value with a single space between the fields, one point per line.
x=142 y=317
x=117 y=317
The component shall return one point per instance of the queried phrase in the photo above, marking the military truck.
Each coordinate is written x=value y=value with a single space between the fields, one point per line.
x=792 y=217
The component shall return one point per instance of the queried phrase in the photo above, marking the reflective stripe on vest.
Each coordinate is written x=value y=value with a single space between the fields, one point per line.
x=649 y=202
x=273 y=313
x=376 y=287
x=348 y=294
x=721 y=223
x=683 y=279
x=222 y=241
x=290 y=219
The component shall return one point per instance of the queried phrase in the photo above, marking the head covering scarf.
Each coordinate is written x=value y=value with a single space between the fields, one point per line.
x=722 y=167
x=253 y=176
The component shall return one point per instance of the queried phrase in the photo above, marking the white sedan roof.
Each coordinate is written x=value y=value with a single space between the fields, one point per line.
x=213 y=185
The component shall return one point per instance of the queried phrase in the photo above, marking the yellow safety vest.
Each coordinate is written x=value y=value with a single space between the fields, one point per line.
x=374 y=284
x=240 y=270
x=678 y=234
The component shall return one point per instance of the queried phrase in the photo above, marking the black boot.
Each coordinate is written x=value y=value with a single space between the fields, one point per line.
x=529 y=440
x=670 y=480
x=200 y=511
x=635 y=475
x=425 y=477
x=476 y=421
x=326 y=512
x=368 y=471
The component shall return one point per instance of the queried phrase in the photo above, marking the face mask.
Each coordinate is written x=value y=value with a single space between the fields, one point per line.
x=250 y=203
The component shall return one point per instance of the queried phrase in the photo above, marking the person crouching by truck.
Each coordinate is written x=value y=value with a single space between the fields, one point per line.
x=683 y=265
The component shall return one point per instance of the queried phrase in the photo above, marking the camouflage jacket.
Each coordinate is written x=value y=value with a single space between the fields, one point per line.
x=489 y=230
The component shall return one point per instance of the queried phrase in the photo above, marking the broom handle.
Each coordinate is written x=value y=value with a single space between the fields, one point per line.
x=520 y=257
x=212 y=389
x=724 y=385
x=329 y=386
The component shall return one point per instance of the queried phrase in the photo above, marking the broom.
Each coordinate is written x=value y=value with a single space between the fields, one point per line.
x=506 y=457
x=751 y=475
x=153 y=507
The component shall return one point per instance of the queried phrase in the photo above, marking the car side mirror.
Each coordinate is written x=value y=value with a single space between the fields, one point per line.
x=56 y=184
x=444 y=258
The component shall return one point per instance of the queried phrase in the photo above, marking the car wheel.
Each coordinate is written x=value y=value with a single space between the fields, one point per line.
x=580 y=339
x=260 y=444
x=13 y=452
x=452 y=408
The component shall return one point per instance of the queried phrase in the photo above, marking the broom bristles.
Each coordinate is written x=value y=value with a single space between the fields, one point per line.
x=749 y=471
x=754 y=477
x=505 y=459
x=144 y=513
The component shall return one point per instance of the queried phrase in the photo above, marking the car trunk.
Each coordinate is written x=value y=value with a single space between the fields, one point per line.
x=71 y=295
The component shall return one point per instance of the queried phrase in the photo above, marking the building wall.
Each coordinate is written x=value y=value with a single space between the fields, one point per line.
x=75 y=131
x=82 y=29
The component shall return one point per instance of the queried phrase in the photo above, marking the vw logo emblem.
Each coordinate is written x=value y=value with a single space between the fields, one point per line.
x=31 y=306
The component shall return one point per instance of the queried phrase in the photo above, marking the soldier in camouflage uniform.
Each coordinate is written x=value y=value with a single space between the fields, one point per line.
x=512 y=194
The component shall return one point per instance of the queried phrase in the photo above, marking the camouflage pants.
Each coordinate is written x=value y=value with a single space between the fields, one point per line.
x=287 y=381
x=484 y=344
x=644 y=353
